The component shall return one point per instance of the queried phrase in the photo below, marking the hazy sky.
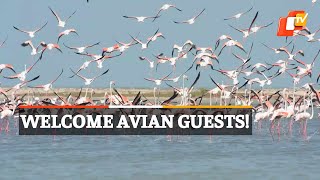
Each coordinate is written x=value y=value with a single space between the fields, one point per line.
x=102 y=21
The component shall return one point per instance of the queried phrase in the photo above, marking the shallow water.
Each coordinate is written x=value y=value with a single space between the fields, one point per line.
x=154 y=157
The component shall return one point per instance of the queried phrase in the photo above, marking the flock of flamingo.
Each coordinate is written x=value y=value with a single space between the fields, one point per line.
x=278 y=107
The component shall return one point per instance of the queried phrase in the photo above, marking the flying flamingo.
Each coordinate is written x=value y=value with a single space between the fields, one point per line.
x=180 y=49
x=88 y=81
x=276 y=50
x=156 y=36
x=61 y=23
x=3 y=42
x=158 y=81
x=141 y=18
x=6 y=66
x=124 y=46
x=49 y=46
x=22 y=76
x=237 y=16
x=166 y=7
x=31 y=33
x=247 y=59
x=308 y=67
x=33 y=49
x=222 y=37
x=145 y=45
x=190 y=21
x=310 y=35
x=247 y=32
x=231 y=43
x=151 y=63
x=314 y=2
x=67 y=32
x=103 y=58
x=21 y=84
x=291 y=55
x=47 y=87
x=110 y=49
x=82 y=48
x=255 y=29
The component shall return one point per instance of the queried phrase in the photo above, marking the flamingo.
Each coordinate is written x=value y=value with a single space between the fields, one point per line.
x=276 y=50
x=247 y=32
x=145 y=45
x=158 y=81
x=33 y=49
x=190 y=21
x=49 y=46
x=22 y=76
x=151 y=63
x=303 y=117
x=166 y=7
x=82 y=48
x=6 y=113
x=231 y=43
x=3 y=42
x=31 y=33
x=310 y=35
x=47 y=87
x=7 y=66
x=21 y=84
x=61 y=23
x=141 y=18
x=67 y=32
x=222 y=37
x=237 y=16
x=88 y=81
x=255 y=29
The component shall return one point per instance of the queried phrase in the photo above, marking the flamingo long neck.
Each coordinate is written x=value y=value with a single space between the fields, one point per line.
x=28 y=96
x=110 y=94
x=105 y=94
x=154 y=95
x=221 y=94
x=249 y=95
x=183 y=91
x=158 y=94
x=236 y=98
x=294 y=93
x=304 y=100
x=86 y=93
x=245 y=95
x=312 y=110
x=285 y=99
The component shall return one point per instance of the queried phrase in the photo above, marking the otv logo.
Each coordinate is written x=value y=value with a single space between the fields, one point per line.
x=295 y=20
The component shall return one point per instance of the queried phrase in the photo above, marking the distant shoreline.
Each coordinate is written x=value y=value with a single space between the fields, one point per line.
x=131 y=92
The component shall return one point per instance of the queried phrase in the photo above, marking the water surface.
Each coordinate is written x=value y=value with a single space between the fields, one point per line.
x=154 y=157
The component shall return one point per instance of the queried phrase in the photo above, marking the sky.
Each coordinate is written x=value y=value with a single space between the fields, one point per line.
x=102 y=21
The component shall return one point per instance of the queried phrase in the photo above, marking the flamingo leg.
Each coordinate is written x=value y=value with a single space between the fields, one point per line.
x=259 y=126
x=7 y=125
x=290 y=126
x=305 y=129
x=279 y=129
x=271 y=129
